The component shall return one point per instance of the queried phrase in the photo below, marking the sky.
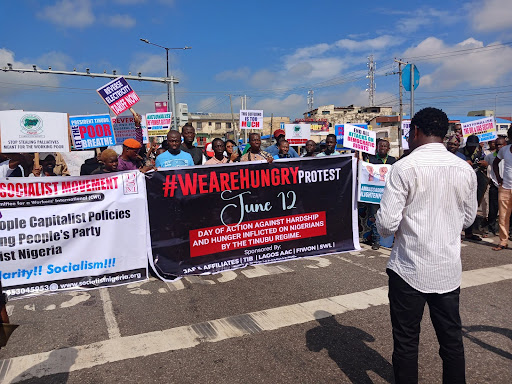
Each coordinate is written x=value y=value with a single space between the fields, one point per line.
x=271 y=51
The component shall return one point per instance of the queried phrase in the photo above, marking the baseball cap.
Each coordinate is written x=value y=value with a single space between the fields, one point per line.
x=132 y=143
x=279 y=132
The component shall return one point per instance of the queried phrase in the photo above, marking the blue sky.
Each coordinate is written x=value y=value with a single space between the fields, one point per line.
x=272 y=51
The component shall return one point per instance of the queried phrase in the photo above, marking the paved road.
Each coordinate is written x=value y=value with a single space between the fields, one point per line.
x=318 y=320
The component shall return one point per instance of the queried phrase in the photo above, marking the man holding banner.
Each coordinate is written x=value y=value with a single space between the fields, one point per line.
x=381 y=157
x=428 y=199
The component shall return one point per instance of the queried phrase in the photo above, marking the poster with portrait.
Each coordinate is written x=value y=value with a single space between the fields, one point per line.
x=371 y=182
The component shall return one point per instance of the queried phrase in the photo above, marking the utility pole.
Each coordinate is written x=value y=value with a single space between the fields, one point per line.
x=371 y=76
x=236 y=134
x=172 y=93
x=271 y=124
x=401 y=109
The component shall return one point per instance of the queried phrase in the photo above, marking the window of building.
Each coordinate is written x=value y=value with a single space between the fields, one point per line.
x=228 y=125
x=382 y=135
x=326 y=112
x=201 y=141
x=217 y=125
x=199 y=124
x=209 y=123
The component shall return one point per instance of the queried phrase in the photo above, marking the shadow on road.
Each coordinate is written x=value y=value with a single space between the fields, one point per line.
x=55 y=358
x=466 y=332
x=347 y=348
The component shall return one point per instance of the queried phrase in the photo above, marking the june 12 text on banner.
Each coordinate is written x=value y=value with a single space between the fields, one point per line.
x=72 y=233
x=216 y=218
x=118 y=95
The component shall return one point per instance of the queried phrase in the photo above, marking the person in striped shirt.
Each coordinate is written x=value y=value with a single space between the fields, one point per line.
x=429 y=197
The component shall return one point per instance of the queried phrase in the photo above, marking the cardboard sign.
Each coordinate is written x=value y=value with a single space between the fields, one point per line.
x=371 y=182
x=124 y=128
x=485 y=129
x=158 y=124
x=297 y=134
x=359 y=139
x=406 y=129
x=251 y=119
x=23 y=131
x=92 y=131
x=118 y=95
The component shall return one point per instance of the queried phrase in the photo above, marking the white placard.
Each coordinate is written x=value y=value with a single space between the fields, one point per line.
x=359 y=139
x=251 y=119
x=406 y=129
x=484 y=128
x=297 y=134
x=25 y=131
x=124 y=128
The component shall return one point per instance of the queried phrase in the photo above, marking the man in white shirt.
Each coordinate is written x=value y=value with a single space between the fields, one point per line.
x=504 y=191
x=430 y=196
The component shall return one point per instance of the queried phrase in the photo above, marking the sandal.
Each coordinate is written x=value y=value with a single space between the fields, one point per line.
x=500 y=247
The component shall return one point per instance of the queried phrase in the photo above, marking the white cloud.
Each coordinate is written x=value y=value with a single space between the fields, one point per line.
x=479 y=67
x=69 y=13
x=149 y=65
x=421 y=18
x=238 y=74
x=282 y=107
x=491 y=15
x=15 y=83
x=119 y=21
x=378 y=43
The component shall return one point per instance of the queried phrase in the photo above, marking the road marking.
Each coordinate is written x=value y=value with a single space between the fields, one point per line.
x=227 y=276
x=175 y=285
x=265 y=270
x=110 y=318
x=320 y=262
x=146 y=344
x=362 y=265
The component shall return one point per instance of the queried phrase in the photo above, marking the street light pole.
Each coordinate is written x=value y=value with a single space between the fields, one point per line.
x=171 y=96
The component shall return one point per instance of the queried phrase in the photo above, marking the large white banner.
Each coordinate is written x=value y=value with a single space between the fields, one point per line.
x=71 y=233
x=359 y=139
x=251 y=119
x=23 y=131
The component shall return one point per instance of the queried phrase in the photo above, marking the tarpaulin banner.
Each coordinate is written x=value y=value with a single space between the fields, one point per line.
x=371 y=182
x=72 y=233
x=92 y=131
x=484 y=128
x=215 y=218
x=23 y=131
x=118 y=95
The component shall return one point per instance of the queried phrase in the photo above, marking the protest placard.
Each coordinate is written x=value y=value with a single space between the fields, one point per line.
x=250 y=119
x=297 y=134
x=124 y=128
x=118 y=95
x=484 y=128
x=359 y=139
x=92 y=131
x=23 y=131
x=158 y=124
x=250 y=213
x=161 y=106
x=339 y=131
x=371 y=182
x=406 y=129
x=72 y=233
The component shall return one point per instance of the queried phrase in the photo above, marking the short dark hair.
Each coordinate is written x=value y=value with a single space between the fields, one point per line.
x=188 y=125
x=253 y=134
x=331 y=135
x=431 y=121
x=217 y=139
x=284 y=141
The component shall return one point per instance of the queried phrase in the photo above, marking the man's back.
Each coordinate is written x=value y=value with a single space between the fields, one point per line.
x=430 y=197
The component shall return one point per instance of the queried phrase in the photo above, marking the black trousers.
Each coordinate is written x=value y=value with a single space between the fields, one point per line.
x=493 y=207
x=406 y=307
